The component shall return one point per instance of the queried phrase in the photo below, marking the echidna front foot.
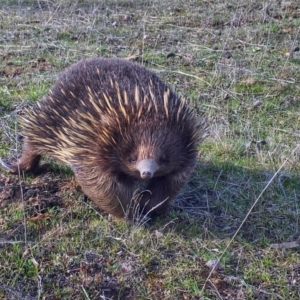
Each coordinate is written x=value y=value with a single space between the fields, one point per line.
x=23 y=166
x=28 y=163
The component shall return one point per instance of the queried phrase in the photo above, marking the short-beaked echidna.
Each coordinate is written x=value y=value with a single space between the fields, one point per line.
x=129 y=139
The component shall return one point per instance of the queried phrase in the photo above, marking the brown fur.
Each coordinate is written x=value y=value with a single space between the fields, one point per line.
x=108 y=119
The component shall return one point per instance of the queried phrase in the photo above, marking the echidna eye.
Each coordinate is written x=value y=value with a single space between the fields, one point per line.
x=163 y=160
x=132 y=160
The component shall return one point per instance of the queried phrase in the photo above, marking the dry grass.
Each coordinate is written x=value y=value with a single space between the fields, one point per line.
x=240 y=61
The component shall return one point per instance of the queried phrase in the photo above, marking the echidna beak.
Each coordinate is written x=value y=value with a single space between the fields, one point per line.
x=147 y=168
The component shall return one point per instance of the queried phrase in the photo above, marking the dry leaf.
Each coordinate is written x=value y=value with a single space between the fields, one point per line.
x=288 y=245
x=133 y=57
x=40 y=217
x=249 y=81
x=220 y=283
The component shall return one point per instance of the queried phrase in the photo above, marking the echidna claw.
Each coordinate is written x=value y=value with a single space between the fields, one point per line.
x=7 y=166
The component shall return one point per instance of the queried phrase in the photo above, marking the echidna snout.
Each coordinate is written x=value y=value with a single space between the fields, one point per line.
x=147 y=168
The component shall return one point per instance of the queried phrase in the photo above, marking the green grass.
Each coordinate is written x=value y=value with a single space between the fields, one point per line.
x=240 y=62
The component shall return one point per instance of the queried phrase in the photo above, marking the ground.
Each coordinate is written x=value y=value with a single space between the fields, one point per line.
x=240 y=62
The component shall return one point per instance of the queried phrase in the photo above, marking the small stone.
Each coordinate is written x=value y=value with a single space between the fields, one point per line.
x=257 y=103
x=214 y=264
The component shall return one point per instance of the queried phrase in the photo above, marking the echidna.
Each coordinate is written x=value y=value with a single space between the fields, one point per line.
x=129 y=139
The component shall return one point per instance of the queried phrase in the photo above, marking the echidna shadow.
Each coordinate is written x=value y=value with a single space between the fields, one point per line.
x=131 y=142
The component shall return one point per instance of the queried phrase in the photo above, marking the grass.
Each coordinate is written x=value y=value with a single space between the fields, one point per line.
x=239 y=61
